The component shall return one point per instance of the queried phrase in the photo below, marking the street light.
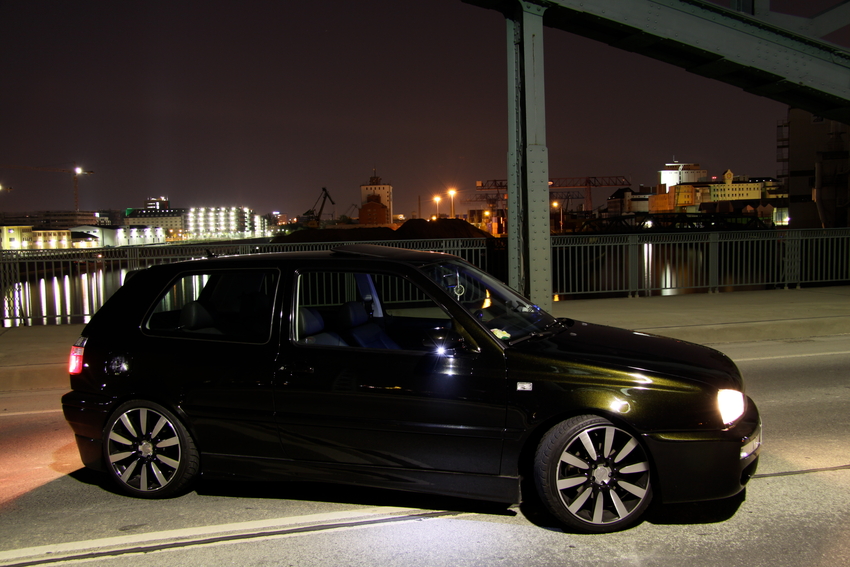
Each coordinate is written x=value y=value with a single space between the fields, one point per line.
x=556 y=205
x=452 y=195
x=437 y=200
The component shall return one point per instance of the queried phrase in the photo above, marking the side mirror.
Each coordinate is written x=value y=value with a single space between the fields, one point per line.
x=443 y=342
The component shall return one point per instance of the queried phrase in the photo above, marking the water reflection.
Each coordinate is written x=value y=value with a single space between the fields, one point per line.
x=672 y=267
x=59 y=298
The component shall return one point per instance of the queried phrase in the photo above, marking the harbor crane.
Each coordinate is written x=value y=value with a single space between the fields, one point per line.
x=76 y=172
x=313 y=218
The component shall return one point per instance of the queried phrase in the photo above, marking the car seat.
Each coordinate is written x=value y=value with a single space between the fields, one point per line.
x=363 y=332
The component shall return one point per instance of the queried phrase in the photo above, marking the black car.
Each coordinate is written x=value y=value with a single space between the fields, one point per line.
x=399 y=369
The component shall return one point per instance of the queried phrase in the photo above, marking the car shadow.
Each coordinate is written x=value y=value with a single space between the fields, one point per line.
x=346 y=494
x=709 y=512
x=315 y=492
x=691 y=513
x=95 y=478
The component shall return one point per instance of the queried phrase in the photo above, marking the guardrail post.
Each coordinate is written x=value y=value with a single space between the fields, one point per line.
x=634 y=265
x=713 y=262
x=792 y=258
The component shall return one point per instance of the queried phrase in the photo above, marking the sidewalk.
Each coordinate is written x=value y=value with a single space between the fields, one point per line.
x=737 y=316
x=37 y=357
x=32 y=358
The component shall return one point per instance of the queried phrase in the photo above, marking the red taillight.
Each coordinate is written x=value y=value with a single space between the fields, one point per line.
x=75 y=364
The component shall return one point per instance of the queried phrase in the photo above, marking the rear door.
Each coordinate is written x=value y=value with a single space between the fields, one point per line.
x=211 y=342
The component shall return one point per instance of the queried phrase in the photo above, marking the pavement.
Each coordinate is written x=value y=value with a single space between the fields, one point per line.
x=36 y=357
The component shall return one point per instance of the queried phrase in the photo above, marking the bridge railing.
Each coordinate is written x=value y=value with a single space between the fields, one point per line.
x=68 y=286
x=646 y=264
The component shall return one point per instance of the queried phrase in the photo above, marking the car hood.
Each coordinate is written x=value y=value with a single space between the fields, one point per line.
x=631 y=351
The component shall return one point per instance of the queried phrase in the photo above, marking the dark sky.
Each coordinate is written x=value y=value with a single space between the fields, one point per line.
x=261 y=104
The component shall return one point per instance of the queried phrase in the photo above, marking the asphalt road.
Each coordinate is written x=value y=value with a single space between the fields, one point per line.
x=796 y=512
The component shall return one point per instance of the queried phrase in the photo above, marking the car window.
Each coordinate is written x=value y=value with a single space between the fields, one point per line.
x=232 y=305
x=509 y=316
x=365 y=310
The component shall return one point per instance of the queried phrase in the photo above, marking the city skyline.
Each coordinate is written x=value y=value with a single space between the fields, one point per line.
x=217 y=104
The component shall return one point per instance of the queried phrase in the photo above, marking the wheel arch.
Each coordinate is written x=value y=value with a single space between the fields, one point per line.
x=163 y=399
x=597 y=402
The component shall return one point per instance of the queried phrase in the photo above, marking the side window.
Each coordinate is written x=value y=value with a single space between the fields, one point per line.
x=231 y=305
x=362 y=310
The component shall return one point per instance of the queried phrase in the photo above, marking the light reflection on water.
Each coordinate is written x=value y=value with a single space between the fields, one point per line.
x=60 y=299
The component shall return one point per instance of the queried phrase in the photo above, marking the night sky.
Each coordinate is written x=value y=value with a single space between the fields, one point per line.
x=261 y=104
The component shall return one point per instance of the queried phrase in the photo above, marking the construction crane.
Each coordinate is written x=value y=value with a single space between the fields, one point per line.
x=354 y=208
x=586 y=183
x=313 y=218
x=76 y=172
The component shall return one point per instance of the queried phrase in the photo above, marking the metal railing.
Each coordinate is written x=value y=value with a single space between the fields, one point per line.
x=645 y=264
x=68 y=286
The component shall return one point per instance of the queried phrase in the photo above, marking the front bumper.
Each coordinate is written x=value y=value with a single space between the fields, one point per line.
x=693 y=466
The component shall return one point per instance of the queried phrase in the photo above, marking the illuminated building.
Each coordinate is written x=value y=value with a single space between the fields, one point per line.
x=16 y=238
x=224 y=222
x=383 y=191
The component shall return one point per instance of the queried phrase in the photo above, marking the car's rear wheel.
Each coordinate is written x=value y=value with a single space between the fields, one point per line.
x=592 y=475
x=148 y=452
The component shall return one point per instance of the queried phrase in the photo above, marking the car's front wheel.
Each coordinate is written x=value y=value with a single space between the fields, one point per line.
x=592 y=475
x=148 y=452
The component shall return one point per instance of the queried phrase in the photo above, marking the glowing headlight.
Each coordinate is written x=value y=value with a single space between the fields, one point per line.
x=731 y=405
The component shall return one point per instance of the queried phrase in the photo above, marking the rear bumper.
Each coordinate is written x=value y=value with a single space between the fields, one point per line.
x=87 y=413
x=693 y=466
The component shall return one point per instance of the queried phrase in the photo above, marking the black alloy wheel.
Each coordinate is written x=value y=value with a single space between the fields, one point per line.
x=592 y=475
x=148 y=452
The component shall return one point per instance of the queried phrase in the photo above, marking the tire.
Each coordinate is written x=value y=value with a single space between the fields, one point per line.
x=592 y=475
x=148 y=452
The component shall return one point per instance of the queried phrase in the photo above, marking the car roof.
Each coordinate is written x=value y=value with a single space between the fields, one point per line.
x=351 y=251
x=390 y=253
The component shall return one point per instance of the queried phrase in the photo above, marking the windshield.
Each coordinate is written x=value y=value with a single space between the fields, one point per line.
x=508 y=315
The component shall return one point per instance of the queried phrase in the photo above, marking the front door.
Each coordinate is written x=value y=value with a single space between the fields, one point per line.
x=364 y=379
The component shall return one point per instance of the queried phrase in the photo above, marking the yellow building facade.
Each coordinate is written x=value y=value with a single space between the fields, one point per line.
x=16 y=238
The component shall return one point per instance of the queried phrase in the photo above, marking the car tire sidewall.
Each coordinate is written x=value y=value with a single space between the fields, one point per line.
x=188 y=468
x=546 y=465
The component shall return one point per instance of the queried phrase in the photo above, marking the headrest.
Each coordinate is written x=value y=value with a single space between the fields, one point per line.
x=310 y=322
x=352 y=314
x=195 y=316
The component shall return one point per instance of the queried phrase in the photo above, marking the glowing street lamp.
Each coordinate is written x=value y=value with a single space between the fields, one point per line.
x=452 y=193
x=437 y=200
x=556 y=205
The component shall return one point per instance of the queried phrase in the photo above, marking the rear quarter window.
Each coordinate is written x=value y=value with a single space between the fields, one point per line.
x=229 y=305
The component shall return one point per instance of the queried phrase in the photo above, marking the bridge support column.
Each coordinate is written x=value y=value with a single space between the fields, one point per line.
x=529 y=246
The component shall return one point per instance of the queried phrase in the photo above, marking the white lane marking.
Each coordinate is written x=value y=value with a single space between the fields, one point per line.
x=788 y=356
x=35 y=412
x=199 y=532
